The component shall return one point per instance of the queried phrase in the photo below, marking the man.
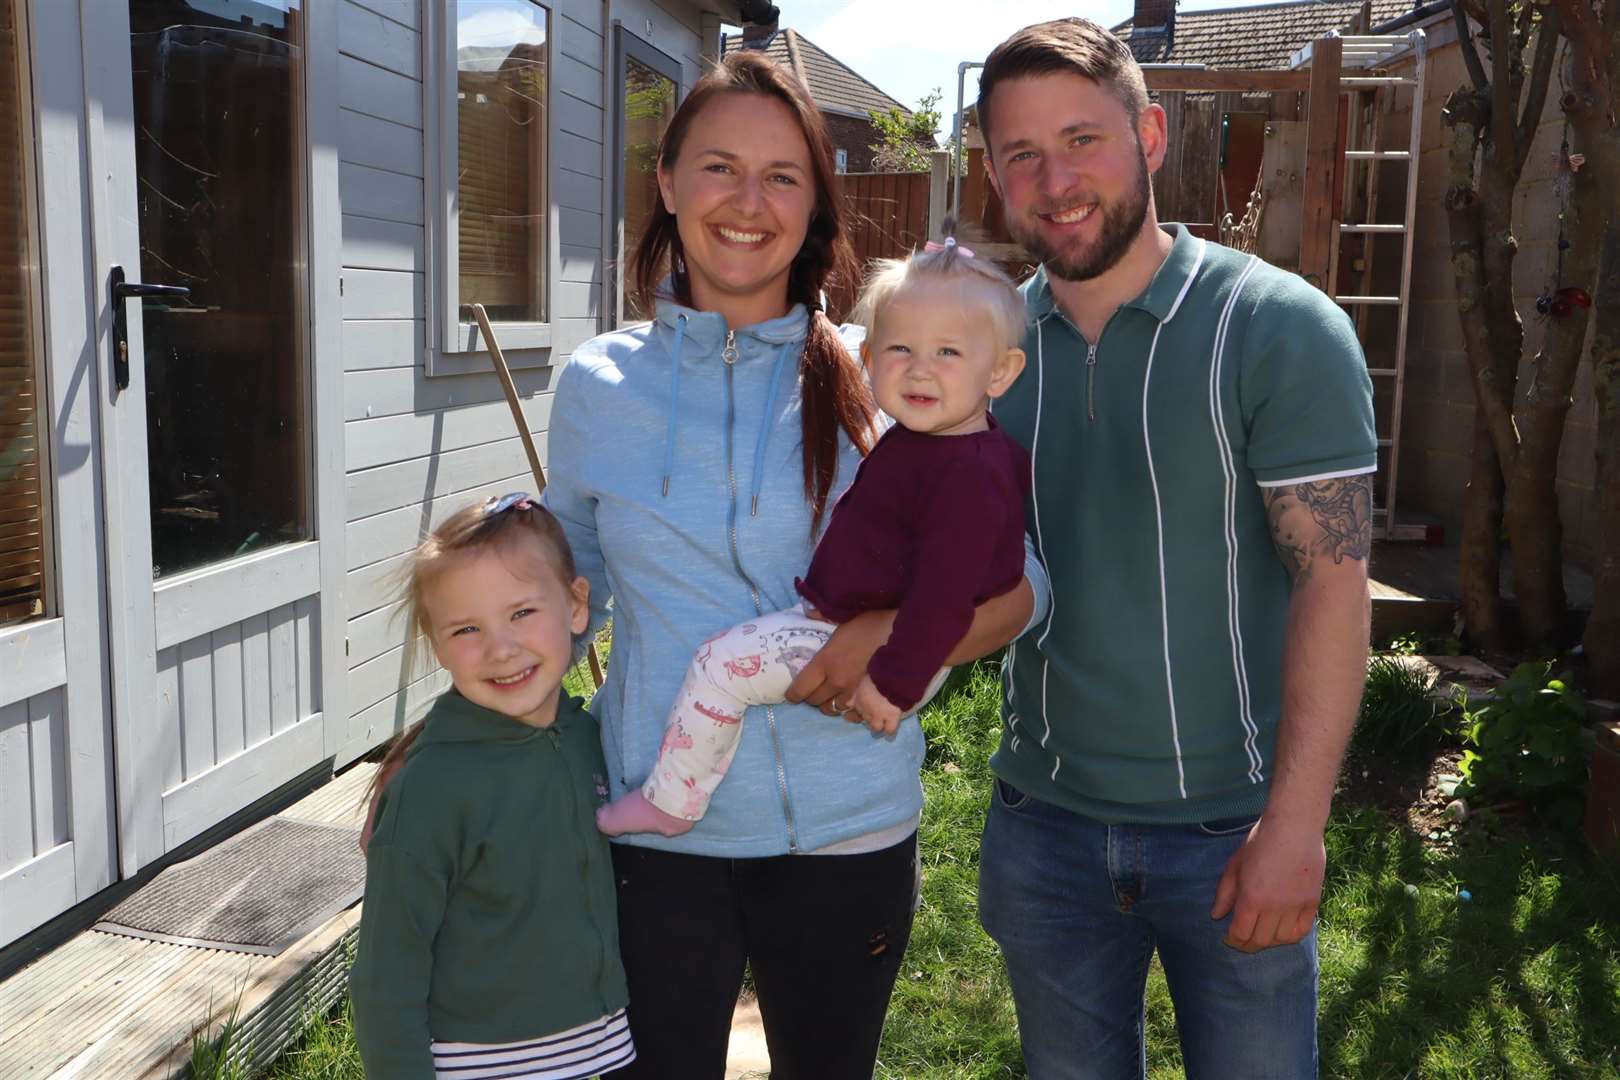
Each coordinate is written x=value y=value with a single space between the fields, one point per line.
x=1202 y=432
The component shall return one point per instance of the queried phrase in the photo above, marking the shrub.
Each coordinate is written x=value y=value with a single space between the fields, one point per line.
x=1526 y=743
x=1400 y=718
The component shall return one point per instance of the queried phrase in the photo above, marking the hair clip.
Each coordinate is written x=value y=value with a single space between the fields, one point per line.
x=499 y=504
x=950 y=242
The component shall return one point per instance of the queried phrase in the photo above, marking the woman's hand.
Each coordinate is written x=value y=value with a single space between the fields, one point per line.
x=831 y=677
x=880 y=715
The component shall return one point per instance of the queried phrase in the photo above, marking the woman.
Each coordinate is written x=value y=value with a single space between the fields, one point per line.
x=693 y=460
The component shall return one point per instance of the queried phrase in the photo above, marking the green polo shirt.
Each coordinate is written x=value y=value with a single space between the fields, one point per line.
x=1153 y=690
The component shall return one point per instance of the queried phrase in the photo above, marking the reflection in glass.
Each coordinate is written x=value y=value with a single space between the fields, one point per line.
x=649 y=102
x=22 y=505
x=501 y=151
x=219 y=168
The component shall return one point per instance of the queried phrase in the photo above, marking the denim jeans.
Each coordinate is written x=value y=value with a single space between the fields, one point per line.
x=1078 y=908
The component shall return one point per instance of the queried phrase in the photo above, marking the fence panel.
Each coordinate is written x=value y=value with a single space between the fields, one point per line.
x=887 y=217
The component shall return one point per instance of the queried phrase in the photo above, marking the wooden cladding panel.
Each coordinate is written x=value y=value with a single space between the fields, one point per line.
x=232 y=689
x=33 y=778
x=22 y=503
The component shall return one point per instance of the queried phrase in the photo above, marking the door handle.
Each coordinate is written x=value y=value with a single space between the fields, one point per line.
x=121 y=291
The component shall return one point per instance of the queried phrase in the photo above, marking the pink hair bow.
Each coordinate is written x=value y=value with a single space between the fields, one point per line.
x=950 y=242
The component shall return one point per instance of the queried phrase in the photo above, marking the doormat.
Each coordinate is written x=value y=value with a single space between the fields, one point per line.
x=257 y=892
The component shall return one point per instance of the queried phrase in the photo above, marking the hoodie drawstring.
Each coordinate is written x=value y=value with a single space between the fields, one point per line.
x=674 y=403
x=765 y=424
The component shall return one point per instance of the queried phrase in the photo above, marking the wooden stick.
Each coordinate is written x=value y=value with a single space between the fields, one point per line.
x=505 y=375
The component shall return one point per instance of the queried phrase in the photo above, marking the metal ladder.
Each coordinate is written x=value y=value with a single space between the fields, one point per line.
x=1369 y=54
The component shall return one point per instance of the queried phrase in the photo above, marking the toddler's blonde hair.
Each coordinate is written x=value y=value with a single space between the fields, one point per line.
x=888 y=278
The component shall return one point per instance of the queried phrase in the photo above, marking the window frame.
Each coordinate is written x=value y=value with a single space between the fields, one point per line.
x=841 y=161
x=627 y=46
x=32 y=276
x=453 y=346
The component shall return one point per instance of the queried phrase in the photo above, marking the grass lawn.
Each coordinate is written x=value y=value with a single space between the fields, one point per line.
x=1523 y=981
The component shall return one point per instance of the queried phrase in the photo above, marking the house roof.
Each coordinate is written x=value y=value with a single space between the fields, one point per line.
x=1259 y=36
x=835 y=86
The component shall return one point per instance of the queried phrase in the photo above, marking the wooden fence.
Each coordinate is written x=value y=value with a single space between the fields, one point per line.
x=887 y=218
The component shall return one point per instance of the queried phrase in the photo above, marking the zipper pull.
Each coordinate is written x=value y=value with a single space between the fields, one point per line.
x=729 y=353
x=1091 y=382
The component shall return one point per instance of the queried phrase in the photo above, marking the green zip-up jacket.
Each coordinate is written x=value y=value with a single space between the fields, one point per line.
x=1152 y=693
x=489 y=913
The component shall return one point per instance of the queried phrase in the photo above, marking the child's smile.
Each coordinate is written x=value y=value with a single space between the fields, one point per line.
x=935 y=359
x=503 y=624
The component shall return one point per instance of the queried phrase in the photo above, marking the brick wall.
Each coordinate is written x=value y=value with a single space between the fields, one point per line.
x=1438 y=410
x=857 y=137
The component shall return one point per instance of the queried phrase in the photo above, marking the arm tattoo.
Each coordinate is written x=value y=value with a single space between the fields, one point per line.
x=1324 y=517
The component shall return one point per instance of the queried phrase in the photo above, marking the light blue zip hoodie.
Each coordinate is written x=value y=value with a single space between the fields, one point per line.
x=678 y=477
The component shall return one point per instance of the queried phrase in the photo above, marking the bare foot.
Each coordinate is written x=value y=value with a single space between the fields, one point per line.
x=633 y=813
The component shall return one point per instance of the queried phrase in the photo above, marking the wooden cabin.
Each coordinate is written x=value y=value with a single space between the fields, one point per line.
x=205 y=490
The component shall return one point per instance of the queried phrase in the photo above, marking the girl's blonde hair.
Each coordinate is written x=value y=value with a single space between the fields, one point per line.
x=949 y=261
x=474 y=529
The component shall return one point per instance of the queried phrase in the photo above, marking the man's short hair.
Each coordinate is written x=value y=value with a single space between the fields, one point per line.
x=1072 y=46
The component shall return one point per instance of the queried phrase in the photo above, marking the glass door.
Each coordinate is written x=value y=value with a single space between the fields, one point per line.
x=648 y=87
x=215 y=574
x=56 y=838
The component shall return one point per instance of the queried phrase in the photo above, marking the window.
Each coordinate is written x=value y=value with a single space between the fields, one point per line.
x=843 y=160
x=649 y=87
x=24 y=534
x=219 y=166
x=493 y=225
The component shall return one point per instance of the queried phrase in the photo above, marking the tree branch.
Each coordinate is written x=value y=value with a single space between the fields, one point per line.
x=1592 y=55
x=1503 y=102
x=1465 y=112
x=1540 y=77
x=1465 y=40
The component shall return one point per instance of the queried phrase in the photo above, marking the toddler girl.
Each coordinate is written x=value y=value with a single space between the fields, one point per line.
x=932 y=525
x=489 y=939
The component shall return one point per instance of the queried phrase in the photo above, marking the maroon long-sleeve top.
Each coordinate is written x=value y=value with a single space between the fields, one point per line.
x=933 y=526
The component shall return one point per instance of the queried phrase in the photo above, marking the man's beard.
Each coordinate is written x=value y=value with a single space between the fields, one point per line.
x=1121 y=224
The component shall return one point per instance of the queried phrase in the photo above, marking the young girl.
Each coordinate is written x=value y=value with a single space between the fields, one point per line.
x=933 y=525
x=489 y=940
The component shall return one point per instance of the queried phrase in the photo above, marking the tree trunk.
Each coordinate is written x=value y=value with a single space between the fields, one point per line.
x=1602 y=639
x=1480 y=562
x=1479 y=213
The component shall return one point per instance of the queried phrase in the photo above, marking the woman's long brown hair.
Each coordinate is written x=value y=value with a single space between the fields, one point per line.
x=833 y=394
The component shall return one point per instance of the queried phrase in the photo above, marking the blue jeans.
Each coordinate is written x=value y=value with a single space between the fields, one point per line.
x=1078 y=908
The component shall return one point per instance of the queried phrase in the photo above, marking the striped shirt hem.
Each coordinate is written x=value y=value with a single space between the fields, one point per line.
x=576 y=1054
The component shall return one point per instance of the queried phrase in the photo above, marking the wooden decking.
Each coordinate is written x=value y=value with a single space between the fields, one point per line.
x=102 y=1005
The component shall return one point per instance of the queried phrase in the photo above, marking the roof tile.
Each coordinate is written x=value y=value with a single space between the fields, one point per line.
x=1259 y=36
x=835 y=86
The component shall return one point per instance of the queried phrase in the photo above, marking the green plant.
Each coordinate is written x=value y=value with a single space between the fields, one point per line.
x=219 y=1057
x=1418 y=643
x=905 y=141
x=1526 y=743
x=1400 y=718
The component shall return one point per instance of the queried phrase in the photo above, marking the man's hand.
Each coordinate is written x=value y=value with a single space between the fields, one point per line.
x=879 y=714
x=829 y=680
x=1272 y=885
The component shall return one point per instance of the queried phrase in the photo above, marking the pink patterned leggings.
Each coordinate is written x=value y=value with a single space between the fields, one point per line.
x=751 y=664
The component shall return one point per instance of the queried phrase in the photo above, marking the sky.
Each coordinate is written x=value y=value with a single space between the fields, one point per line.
x=910 y=47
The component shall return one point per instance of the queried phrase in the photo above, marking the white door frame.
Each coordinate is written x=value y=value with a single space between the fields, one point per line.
x=67 y=649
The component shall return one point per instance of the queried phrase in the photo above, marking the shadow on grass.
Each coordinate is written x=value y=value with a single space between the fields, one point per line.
x=1520 y=981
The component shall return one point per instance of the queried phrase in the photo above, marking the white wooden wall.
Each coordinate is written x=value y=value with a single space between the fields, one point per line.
x=673 y=28
x=33 y=780
x=418 y=448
